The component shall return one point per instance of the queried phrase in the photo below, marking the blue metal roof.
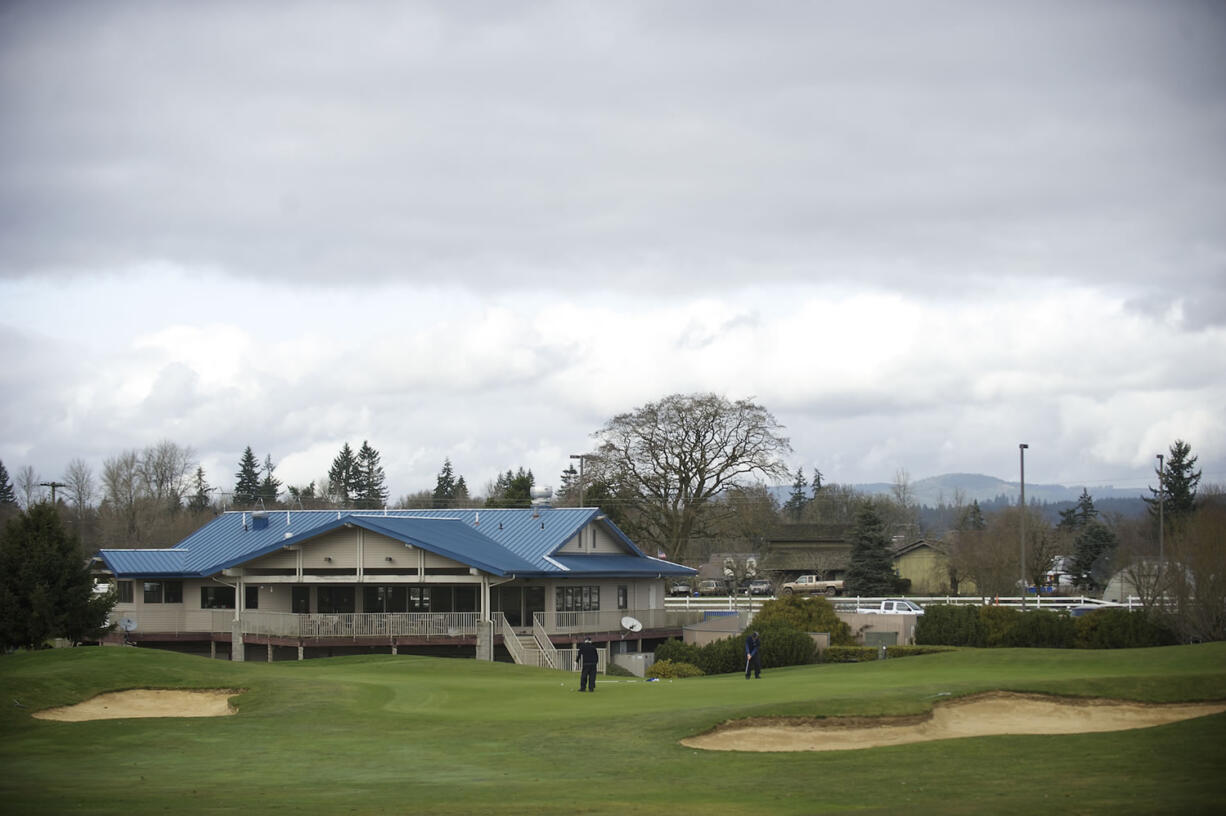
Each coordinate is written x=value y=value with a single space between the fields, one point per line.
x=498 y=541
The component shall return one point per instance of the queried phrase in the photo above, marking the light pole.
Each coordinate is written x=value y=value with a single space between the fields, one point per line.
x=580 y=457
x=1021 y=453
x=1161 y=502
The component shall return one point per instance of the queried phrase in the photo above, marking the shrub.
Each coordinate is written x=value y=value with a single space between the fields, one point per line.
x=998 y=623
x=614 y=670
x=950 y=625
x=849 y=654
x=1121 y=629
x=677 y=651
x=668 y=670
x=1041 y=629
x=783 y=645
x=912 y=651
x=805 y=614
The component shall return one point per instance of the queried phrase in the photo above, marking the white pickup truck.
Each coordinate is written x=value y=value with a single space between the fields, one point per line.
x=899 y=607
x=812 y=585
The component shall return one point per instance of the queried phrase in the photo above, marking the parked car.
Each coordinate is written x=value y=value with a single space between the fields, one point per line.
x=894 y=607
x=812 y=585
x=759 y=586
x=680 y=588
x=711 y=587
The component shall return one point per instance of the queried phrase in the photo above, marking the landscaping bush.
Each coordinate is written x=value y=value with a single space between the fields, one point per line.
x=782 y=645
x=1121 y=629
x=805 y=614
x=677 y=651
x=998 y=623
x=1041 y=629
x=950 y=625
x=860 y=654
x=849 y=654
x=670 y=670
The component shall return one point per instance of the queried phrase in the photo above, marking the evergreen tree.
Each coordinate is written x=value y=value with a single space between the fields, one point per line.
x=7 y=495
x=343 y=476
x=271 y=485
x=512 y=490
x=568 y=492
x=817 y=482
x=796 y=503
x=1092 y=549
x=1080 y=514
x=972 y=518
x=371 y=492
x=200 y=499
x=1178 y=485
x=445 y=487
x=462 y=499
x=46 y=590
x=247 y=488
x=871 y=568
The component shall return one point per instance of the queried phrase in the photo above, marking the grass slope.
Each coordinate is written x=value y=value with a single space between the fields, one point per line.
x=422 y=735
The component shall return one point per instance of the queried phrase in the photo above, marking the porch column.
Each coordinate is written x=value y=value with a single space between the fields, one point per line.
x=236 y=640
x=485 y=640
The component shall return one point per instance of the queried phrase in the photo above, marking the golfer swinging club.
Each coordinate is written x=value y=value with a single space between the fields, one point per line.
x=753 y=662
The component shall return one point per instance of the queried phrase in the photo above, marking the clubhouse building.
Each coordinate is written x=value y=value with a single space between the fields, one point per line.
x=516 y=584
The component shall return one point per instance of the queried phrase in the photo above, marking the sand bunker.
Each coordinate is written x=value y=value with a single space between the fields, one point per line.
x=977 y=716
x=119 y=705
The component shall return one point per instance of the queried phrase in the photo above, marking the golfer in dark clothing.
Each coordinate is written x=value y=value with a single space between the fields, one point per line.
x=753 y=662
x=589 y=658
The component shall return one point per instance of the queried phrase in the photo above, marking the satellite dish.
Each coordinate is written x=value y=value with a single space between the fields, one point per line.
x=631 y=624
x=127 y=624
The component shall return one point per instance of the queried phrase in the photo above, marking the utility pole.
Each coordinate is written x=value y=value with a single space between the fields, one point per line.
x=1161 y=503
x=53 y=485
x=1021 y=452
x=580 y=457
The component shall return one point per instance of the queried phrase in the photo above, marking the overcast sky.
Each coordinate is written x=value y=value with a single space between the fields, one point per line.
x=918 y=233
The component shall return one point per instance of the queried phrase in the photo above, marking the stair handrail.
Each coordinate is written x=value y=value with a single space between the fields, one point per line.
x=511 y=640
x=548 y=650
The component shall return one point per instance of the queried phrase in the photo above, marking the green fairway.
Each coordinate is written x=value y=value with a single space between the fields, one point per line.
x=422 y=735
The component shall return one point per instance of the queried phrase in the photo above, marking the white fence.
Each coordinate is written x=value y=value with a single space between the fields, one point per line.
x=849 y=603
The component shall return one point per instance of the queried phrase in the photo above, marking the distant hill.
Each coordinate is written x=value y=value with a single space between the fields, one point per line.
x=950 y=488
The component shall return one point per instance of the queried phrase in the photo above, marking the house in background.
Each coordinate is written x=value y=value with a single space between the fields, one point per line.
x=297 y=583
x=926 y=564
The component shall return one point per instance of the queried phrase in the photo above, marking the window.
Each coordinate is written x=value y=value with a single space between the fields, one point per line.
x=173 y=592
x=153 y=592
x=300 y=600
x=335 y=599
x=216 y=597
x=577 y=599
x=124 y=588
x=251 y=598
x=623 y=597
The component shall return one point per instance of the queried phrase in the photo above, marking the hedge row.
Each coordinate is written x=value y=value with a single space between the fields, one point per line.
x=859 y=654
x=781 y=646
x=991 y=626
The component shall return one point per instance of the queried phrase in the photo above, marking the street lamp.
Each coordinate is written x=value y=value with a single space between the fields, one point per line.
x=580 y=457
x=1021 y=453
x=1161 y=502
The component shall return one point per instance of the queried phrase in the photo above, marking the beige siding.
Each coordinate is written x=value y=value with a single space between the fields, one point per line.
x=281 y=559
x=593 y=539
x=376 y=549
x=340 y=545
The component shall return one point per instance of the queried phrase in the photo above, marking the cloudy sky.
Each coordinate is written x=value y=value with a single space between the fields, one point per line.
x=918 y=233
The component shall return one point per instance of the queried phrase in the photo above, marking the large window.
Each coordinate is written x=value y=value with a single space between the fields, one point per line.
x=623 y=597
x=216 y=597
x=577 y=599
x=335 y=599
x=300 y=599
x=124 y=590
x=251 y=597
x=157 y=592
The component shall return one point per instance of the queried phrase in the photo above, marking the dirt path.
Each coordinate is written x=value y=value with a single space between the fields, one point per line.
x=980 y=715
x=146 y=703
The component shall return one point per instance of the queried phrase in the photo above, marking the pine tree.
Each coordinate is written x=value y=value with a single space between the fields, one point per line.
x=568 y=492
x=972 y=519
x=871 y=569
x=343 y=476
x=46 y=589
x=371 y=491
x=445 y=487
x=817 y=482
x=462 y=499
x=247 y=488
x=7 y=494
x=1092 y=548
x=1178 y=483
x=270 y=486
x=200 y=500
x=796 y=503
x=512 y=490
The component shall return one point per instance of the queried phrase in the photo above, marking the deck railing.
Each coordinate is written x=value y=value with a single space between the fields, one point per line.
x=356 y=625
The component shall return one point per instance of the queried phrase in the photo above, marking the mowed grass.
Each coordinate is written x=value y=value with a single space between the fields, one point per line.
x=422 y=735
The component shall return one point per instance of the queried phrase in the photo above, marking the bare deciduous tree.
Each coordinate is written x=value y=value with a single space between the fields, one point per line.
x=28 y=488
x=81 y=488
x=678 y=454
